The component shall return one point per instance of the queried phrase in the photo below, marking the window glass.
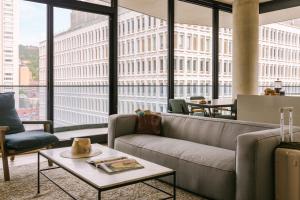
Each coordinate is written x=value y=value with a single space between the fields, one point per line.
x=279 y=52
x=81 y=62
x=144 y=84
x=193 y=52
x=225 y=55
x=23 y=61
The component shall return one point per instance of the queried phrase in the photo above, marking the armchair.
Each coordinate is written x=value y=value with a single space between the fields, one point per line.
x=14 y=139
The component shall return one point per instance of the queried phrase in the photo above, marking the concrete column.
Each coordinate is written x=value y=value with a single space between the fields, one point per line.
x=245 y=46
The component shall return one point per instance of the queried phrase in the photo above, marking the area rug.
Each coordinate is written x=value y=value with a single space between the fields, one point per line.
x=23 y=186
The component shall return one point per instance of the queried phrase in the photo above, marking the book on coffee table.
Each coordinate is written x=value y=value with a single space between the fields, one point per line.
x=115 y=164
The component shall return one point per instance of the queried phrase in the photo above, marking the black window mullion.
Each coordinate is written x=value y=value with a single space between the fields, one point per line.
x=113 y=59
x=211 y=4
x=171 y=40
x=215 y=54
x=50 y=58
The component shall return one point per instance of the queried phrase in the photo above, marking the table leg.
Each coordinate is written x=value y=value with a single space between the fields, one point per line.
x=38 y=171
x=210 y=114
x=174 y=185
x=99 y=194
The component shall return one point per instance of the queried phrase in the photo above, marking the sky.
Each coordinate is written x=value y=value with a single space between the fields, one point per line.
x=33 y=24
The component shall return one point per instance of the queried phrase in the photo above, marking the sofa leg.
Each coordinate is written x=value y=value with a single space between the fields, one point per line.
x=12 y=158
x=5 y=167
x=50 y=164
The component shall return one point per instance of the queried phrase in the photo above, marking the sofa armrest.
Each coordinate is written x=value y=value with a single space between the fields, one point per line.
x=255 y=164
x=119 y=125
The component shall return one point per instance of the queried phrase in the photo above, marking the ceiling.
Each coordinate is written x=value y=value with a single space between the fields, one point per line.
x=187 y=13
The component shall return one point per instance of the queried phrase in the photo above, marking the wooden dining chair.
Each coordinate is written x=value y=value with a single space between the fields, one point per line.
x=232 y=111
x=14 y=139
x=196 y=109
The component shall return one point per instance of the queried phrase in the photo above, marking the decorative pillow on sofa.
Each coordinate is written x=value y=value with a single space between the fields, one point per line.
x=8 y=114
x=148 y=122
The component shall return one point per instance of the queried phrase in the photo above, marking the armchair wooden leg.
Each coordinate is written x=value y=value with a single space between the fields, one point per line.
x=5 y=167
x=12 y=158
x=4 y=154
x=50 y=164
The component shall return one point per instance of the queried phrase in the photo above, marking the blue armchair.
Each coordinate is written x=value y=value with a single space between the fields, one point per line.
x=13 y=137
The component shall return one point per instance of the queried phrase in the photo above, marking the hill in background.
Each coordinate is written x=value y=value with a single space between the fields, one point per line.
x=30 y=54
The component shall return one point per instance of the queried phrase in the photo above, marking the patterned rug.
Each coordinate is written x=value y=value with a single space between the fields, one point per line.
x=23 y=186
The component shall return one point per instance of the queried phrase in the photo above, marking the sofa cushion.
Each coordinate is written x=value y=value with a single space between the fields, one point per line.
x=8 y=114
x=215 y=132
x=195 y=129
x=205 y=170
x=29 y=140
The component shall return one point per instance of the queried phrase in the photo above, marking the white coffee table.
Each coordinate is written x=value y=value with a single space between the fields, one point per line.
x=99 y=179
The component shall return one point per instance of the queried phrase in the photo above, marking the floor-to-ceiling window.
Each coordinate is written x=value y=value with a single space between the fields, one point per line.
x=81 y=65
x=225 y=55
x=142 y=61
x=81 y=58
x=23 y=28
x=279 y=56
x=193 y=51
x=81 y=53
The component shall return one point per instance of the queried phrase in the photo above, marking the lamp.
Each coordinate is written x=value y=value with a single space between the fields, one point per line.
x=278 y=85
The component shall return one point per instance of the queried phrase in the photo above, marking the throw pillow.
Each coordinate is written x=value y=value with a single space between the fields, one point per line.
x=148 y=123
x=8 y=114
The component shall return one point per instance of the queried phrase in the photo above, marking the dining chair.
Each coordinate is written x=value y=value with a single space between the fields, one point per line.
x=179 y=106
x=14 y=139
x=232 y=110
x=196 y=109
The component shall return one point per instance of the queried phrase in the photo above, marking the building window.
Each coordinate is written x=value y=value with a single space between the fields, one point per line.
x=181 y=64
x=161 y=64
x=181 y=41
x=161 y=41
x=154 y=42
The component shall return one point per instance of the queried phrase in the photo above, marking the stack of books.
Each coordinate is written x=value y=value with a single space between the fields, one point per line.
x=115 y=164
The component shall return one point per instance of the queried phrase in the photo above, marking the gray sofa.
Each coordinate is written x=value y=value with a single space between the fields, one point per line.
x=215 y=158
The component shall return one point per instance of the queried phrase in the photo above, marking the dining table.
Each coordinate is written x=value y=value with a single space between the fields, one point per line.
x=210 y=105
